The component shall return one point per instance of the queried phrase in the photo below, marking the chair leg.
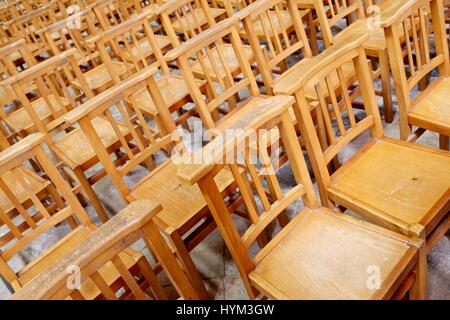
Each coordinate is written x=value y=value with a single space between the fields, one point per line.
x=188 y=265
x=386 y=85
x=91 y=194
x=419 y=289
x=444 y=142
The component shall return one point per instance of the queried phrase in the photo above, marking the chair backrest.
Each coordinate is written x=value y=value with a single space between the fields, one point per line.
x=342 y=121
x=247 y=150
x=422 y=35
x=26 y=26
x=11 y=53
x=135 y=138
x=103 y=247
x=332 y=12
x=184 y=19
x=31 y=203
x=133 y=43
x=275 y=35
x=52 y=93
x=73 y=32
x=213 y=55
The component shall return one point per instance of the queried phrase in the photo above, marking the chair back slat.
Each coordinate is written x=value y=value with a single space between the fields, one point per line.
x=31 y=203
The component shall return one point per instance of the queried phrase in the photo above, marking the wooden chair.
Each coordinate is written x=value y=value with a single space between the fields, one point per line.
x=430 y=109
x=74 y=32
x=135 y=46
x=144 y=148
x=27 y=24
x=104 y=247
x=50 y=97
x=402 y=186
x=331 y=13
x=230 y=81
x=275 y=35
x=108 y=13
x=311 y=256
x=44 y=202
x=112 y=12
x=41 y=107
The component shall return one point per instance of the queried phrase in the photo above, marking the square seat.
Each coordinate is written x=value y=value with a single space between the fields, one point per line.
x=20 y=120
x=324 y=255
x=400 y=183
x=432 y=111
x=181 y=203
x=74 y=147
x=230 y=58
x=173 y=89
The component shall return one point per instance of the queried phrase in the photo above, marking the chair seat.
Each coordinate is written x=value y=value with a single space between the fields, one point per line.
x=99 y=78
x=163 y=186
x=192 y=21
x=19 y=120
x=173 y=89
x=144 y=49
x=229 y=55
x=395 y=181
x=88 y=289
x=35 y=185
x=432 y=111
x=324 y=255
x=74 y=147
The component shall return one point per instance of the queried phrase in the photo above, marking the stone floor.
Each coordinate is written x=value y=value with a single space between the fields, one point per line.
x=215 y=264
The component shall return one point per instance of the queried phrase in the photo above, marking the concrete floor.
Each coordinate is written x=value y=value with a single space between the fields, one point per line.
x=213 y=260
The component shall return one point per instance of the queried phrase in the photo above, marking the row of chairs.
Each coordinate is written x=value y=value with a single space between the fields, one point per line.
x=108 y=97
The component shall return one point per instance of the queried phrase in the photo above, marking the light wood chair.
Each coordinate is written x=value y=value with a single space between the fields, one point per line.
x=75 y=32
x=50 y=97
x=41 y=107
x=275 y=35
x=108 y=13
x=402 y=186
x=185 y=19
x=14 y=58
x=426 y=50
x=144 y=148
x=26 y=25
x=134 y=45
x=311 y=256
x=230 y=81
x=44 y=202
x=331 y=13
x=104 y=247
